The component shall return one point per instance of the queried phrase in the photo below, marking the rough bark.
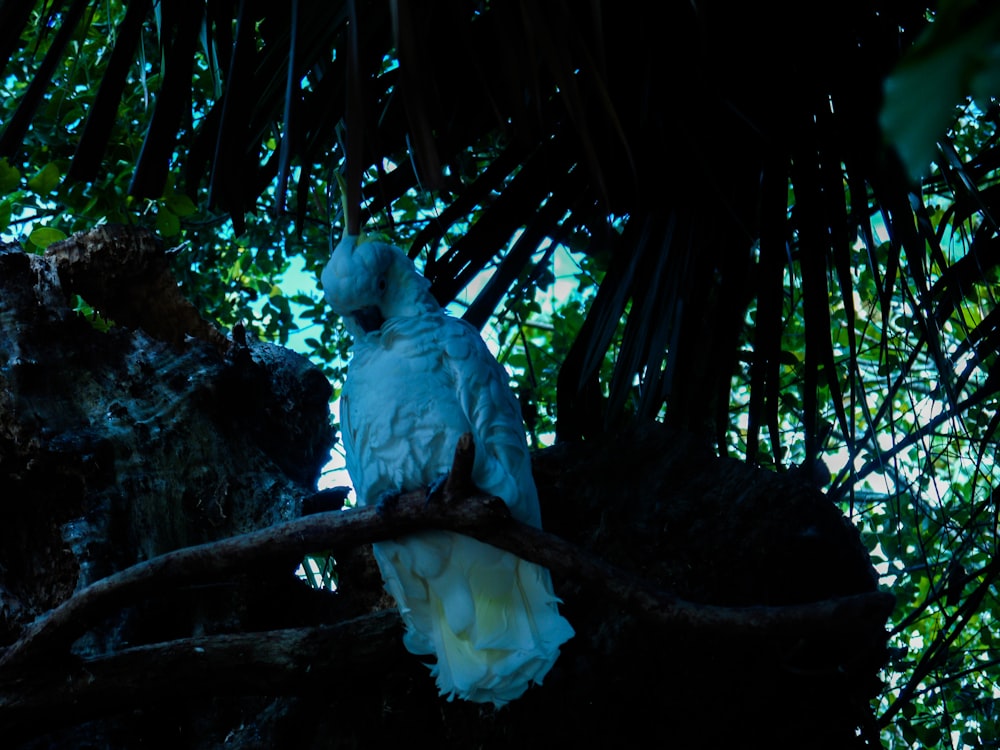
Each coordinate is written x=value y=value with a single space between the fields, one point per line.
x=713 y=603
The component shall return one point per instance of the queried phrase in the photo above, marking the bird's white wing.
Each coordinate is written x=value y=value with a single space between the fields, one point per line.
x=503 y=464
x=348 y=439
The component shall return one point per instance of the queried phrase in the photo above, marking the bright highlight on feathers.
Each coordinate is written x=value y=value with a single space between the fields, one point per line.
x=417 y=380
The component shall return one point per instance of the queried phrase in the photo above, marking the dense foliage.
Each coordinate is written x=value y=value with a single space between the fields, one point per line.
x=784 y=288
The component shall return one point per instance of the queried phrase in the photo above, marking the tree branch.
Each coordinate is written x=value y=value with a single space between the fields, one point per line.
x=279 y=662
x=479 y=516
x=466 y=511
x=62 y=625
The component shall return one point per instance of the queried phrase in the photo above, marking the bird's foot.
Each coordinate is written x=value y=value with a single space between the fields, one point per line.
x=387 y=502
x=435 y=491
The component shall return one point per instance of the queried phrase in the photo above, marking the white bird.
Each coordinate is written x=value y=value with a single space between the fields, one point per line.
x=417 y=380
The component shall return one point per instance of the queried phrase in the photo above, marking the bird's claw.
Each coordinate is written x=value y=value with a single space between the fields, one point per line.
x=435 y=491
x=387 y=502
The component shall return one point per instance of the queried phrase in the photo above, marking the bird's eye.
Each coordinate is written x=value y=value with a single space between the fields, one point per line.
x=381 y=284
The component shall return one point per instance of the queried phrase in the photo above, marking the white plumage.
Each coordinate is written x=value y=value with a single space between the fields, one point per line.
x=417 y=380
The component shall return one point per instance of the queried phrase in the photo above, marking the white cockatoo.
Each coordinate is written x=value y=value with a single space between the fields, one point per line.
x=417 y=380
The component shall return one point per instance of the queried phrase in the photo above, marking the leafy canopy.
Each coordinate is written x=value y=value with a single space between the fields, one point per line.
x=734 y=246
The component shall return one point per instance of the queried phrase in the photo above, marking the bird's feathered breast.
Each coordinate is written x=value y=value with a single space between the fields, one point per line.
x=413 y=388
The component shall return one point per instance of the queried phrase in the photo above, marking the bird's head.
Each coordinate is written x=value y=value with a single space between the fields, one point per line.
x=370 y=282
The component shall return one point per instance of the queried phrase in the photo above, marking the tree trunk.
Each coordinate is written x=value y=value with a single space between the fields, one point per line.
x=698 y=587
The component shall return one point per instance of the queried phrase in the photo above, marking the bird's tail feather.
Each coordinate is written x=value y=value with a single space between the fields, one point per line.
x=490 y=617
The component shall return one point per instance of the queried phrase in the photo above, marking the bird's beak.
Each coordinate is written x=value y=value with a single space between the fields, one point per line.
x=369 y=318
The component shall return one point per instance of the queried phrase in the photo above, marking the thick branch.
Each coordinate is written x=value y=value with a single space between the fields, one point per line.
x=482 y=517
x=279 y=662
x=842 y=614
x=206 y=562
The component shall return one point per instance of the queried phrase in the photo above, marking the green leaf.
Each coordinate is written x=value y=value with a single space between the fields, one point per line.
x=72 y=116
x=6 y=208
x=954 y=58
x=10 y=177
x=167 y=222
x=928 y=735
x=906 y=729
x=181 y=205
x=45 y=180
x=45 y=236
